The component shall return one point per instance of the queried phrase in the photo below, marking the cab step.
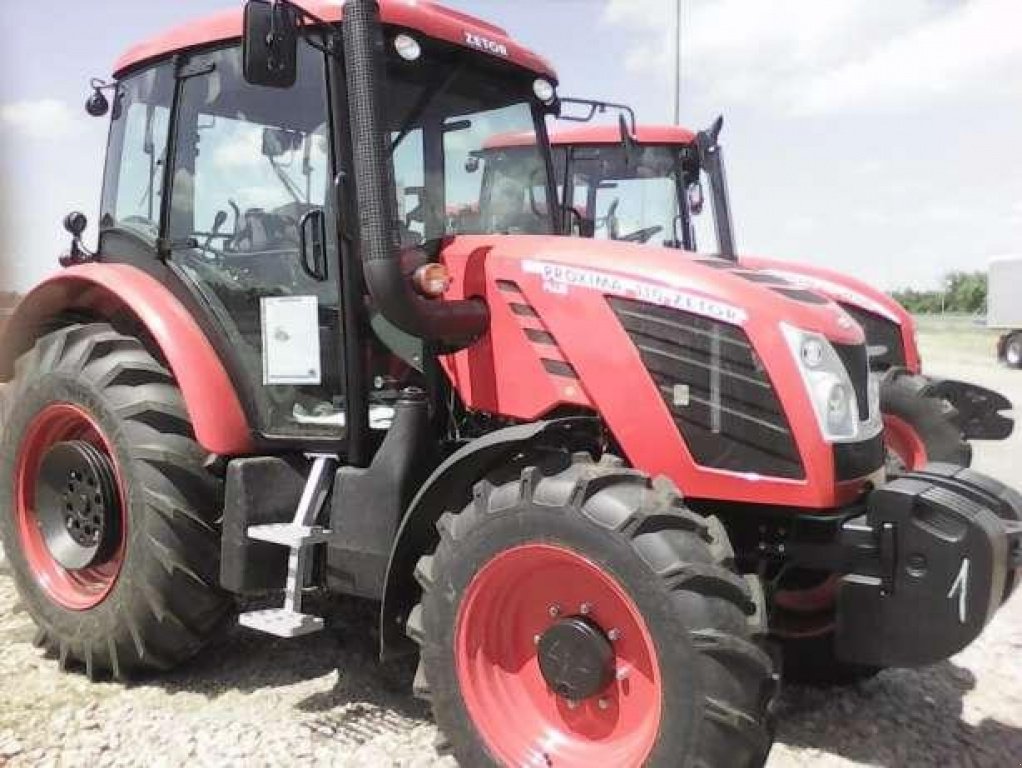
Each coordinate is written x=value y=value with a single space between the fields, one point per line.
x=299 y=536
x=281 y=622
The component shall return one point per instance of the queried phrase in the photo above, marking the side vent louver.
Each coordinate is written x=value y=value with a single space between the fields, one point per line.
x=536 y=331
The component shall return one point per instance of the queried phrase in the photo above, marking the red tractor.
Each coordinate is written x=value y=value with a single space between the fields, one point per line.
x=649 y=188
x=283 y=371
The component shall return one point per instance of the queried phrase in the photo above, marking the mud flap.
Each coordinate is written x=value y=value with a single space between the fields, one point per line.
x=933 y=560
x=979 y=409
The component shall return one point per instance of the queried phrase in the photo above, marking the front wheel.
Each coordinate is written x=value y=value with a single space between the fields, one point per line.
x=919 y=429
x=576 y=616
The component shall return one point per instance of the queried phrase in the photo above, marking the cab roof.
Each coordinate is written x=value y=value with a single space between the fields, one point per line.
x=429 y=18
x=611 y=134
x=597 y=134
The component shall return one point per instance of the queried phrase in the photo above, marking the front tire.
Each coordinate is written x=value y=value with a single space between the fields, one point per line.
x=570 y=549
x=145 y=597
x=919 y=429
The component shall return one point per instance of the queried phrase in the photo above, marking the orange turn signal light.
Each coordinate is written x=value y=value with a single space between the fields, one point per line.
x=432 y=280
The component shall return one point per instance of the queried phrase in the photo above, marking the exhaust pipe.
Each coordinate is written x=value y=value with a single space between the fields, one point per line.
x=451 y=324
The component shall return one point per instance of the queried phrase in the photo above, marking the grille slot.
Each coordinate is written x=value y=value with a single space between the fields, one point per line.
x=880 y=332
x=716 y=389
x=855 y=360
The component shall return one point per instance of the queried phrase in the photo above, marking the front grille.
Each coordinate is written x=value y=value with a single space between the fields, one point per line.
x=717 y=391
x=855 y=360
x=880 y=333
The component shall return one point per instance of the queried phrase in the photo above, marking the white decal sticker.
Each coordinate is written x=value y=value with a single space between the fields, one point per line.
x=558 y=278
x=485 y=44
x=961 y=586
x=290 y=326
x=836 y=291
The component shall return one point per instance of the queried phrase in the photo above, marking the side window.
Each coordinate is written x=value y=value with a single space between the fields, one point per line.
x=137 y=152
x=704 y=228
x=410 y=181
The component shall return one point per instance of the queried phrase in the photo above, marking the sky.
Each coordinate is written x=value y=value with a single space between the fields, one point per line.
x=880 y=139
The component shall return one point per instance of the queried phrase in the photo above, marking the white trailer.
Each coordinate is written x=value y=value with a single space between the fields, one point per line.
x=1004 y=307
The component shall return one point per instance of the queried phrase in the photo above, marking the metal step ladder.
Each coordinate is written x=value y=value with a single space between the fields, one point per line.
x=299 y=536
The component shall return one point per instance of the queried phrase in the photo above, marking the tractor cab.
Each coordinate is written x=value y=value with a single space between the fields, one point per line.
x=237 y=186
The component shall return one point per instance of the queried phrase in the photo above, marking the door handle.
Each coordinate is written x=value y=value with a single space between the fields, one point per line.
x=312 y=240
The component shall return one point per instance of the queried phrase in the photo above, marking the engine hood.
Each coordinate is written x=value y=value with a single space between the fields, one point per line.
x=696 y=283
x=837 y=286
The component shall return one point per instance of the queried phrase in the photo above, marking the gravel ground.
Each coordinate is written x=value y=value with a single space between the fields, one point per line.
x=254 y=700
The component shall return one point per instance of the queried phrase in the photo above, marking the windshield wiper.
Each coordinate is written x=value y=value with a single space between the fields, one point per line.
x=425 y=101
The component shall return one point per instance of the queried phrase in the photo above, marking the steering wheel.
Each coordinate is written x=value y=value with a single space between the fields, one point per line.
x=641 y=235
x=610 y=219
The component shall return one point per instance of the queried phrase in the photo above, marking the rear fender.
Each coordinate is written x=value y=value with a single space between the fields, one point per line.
x=110 y=291
x=448 y=489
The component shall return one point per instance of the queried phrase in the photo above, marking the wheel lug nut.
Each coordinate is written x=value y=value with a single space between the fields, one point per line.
x=603 y=704
x=614 y=635
x=554 y=611
x=572 y=704
x=585 y=609
x=535 y=639
x=621 y=674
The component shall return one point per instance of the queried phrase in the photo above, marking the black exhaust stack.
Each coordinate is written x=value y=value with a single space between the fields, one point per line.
x=450 y=324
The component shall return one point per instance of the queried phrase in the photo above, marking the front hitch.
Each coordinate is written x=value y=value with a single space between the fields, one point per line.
x=979 y=409
x=927 y=566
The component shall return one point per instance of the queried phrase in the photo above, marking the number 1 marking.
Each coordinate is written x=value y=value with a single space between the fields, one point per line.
x=961 y=585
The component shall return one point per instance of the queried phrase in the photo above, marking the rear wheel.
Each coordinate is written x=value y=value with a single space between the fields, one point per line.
x=110 y=527
x=1013 y=351
x=573 y=615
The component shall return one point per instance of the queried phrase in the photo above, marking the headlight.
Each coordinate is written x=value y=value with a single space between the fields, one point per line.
x=544 y=91
x=407 y=47
x=829 y=387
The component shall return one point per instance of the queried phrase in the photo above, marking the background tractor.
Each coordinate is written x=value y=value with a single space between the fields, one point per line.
x=288 y=367
x=650 y=188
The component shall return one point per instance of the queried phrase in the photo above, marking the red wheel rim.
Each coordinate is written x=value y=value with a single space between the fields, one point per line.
x=79 y=589
x=522 y=721
x=904 y=442
x=806 y=611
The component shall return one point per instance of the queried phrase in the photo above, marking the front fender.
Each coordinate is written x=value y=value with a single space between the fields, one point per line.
x=448 y=489
x=111 y=291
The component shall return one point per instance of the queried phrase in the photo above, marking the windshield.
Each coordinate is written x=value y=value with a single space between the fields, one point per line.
x=633 y=199
x=442 y=115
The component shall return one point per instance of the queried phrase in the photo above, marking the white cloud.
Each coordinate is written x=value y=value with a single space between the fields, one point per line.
x=976 y=46
x=812 y=57
x=41 y=119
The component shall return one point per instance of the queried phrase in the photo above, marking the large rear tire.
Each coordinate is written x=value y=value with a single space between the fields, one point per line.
x=145 y=596
x=569 y=551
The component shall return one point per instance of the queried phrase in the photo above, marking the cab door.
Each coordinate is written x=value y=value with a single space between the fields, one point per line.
x=245 y=225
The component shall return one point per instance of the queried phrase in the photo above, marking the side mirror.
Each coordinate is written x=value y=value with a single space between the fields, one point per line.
x=270 y=44
x=277 y=142
x=472 y=164
x=75 y=224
